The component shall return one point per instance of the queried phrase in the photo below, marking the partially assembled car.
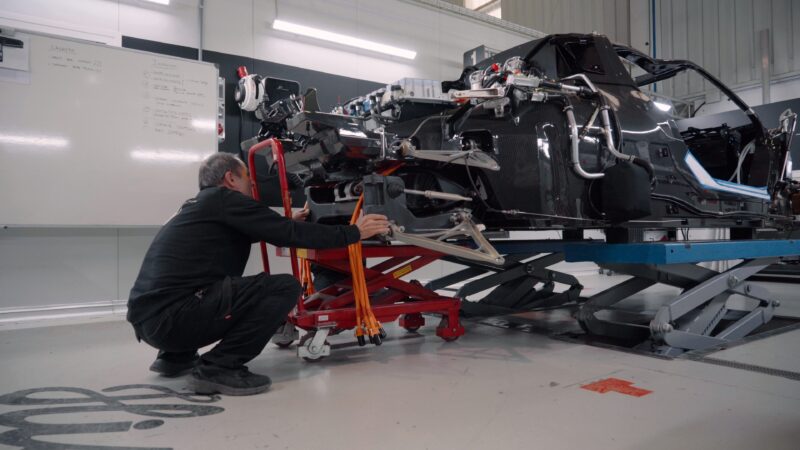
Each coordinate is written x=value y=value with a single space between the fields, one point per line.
x=555 y=133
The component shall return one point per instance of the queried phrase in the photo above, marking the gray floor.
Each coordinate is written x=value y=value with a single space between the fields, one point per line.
x=493 y=388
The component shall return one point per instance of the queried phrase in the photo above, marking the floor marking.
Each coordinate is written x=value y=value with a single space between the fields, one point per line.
x=616 y=385
x=64 y=402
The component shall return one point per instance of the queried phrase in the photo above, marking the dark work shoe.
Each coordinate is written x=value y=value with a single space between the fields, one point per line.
x=173 y=365
x=208 y=379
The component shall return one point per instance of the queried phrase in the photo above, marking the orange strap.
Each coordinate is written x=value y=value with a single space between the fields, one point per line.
x=366 y=323
x=365 y=319
x=305 y=277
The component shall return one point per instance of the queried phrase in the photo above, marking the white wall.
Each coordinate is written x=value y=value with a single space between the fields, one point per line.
x=46 y=271
x=608 y=17
x=439 y=38
x=723 y=37
x=720 y=35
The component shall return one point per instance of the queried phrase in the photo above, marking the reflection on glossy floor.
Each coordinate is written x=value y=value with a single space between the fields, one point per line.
x=493 y=388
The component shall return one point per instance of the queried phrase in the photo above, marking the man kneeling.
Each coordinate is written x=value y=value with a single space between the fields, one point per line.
x=190 y=291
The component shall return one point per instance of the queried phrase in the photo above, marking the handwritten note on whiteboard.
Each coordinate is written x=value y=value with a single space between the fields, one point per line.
x=170 y=95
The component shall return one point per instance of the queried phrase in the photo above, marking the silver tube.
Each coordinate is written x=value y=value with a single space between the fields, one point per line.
x=610 y=137
x=576 y=161
x=585 y=130
x=566 y=87
x=438 y=195
x=606 y=119
x=585 y=80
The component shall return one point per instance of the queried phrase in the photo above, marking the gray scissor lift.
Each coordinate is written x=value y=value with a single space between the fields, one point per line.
x=702 y=316
x=692 y=320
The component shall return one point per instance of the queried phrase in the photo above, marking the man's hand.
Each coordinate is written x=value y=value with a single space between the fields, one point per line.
x=371 y=224
x=302 y=214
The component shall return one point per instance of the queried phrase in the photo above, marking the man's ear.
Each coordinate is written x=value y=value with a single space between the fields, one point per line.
x=227 y=179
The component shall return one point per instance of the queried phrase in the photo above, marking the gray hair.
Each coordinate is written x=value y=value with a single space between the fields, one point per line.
x=214 y=168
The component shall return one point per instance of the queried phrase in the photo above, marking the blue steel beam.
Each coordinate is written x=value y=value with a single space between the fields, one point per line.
x=679 y=252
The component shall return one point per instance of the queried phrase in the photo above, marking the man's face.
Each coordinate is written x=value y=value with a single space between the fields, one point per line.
x=239 y=182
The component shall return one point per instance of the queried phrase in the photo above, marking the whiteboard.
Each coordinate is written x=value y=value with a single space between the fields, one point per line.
x=94 y=135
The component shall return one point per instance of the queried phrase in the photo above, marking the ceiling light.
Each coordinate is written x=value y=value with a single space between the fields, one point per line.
x=663 y=106
x=160 y=2
x=168 y=155
x=342 y=39
x=39 y=141
x=206 y=125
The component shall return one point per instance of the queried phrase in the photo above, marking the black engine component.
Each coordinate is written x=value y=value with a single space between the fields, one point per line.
x=626 y=192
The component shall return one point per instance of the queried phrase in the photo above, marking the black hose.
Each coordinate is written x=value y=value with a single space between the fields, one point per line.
x=491 y=79
x=646 y=165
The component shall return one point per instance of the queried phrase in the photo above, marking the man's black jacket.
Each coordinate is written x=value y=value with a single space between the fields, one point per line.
x=210 y=239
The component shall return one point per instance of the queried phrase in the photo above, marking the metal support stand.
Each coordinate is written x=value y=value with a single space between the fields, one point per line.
x=332 y=309
x=700 y=317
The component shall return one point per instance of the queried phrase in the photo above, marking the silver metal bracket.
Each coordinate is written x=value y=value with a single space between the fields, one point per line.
x=473 y=158
x=478 y=93
x=484 y=252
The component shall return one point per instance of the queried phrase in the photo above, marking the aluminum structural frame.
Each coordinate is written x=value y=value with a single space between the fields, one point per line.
x=690 y=320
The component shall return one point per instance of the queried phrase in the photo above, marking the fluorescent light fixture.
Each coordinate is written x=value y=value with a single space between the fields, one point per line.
x=160 y=2
x=662 y=106
x=342 y=39
x=168 y=156
x=39 y=141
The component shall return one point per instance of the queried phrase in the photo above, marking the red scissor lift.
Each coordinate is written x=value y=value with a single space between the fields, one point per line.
x=332 y=310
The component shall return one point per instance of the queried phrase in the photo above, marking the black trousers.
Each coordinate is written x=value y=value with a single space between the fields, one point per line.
x=241 y=312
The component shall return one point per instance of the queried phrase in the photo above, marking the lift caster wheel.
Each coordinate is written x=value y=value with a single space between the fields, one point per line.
x=313 y=347
x=285 y=336
x=447 y=332
x=412 y=322
x=283 y=345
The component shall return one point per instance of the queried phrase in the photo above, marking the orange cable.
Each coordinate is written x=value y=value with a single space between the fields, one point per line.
x=365 y=318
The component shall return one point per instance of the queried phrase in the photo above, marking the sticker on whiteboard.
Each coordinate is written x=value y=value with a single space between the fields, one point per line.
x=14 y=52
x=15 y=76
x=15 y=61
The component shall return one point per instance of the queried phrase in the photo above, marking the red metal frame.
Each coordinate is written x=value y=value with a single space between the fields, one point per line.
x=251 y=162
x=277 y=153
x=390 y=297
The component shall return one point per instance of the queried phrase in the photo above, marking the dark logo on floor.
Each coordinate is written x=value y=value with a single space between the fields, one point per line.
x=61 y=413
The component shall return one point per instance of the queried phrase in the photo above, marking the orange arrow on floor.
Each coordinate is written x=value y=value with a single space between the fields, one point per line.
x=616 y=385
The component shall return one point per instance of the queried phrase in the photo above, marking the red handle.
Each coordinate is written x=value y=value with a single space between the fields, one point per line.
x=277 y=153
